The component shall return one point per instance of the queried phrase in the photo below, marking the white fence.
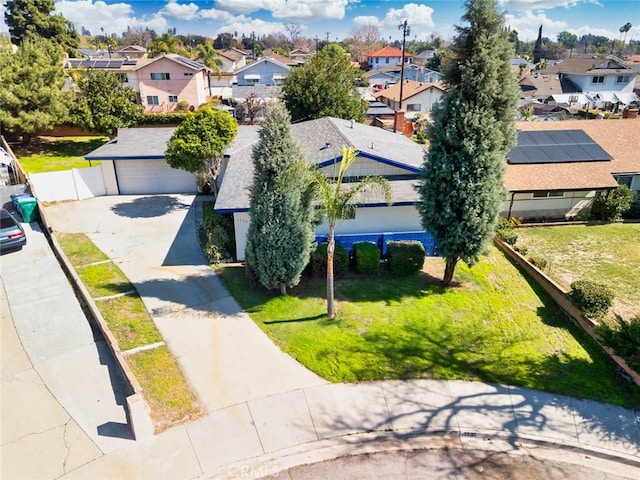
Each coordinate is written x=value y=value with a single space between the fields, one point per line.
x=74 y=184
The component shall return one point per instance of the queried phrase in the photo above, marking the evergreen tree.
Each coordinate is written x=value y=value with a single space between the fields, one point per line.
x=281 y=231
x=538 y=52
x=461 y=182
x=325 y=86
x=32 y=98
x=28 y=18
x=103 y=104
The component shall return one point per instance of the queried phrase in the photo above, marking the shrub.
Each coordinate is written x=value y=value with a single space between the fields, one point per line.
x=612 y=204
x=624 y=339
x=508 y=236
x=182 y=106
x=319 y=261
x=171 y=118
x=217 y=236
x=405 y=257
x=592 y=298
x=503 y=224
x=521 y=249
x=366 y=256
x=538 y=261
x=633 y=212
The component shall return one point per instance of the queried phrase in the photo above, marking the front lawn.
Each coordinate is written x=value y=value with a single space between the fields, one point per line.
x=494 y=326
x=608 y=254
x=52 y=154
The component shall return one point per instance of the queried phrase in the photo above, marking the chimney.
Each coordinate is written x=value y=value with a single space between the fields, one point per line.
x=398 y=121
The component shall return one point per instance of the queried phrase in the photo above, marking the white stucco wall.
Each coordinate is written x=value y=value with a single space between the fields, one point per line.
x=368 y=220
x=610 y=82
x=109 y=177
x=573 y=203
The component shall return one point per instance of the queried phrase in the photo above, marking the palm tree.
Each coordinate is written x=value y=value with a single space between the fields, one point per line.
x=339 y=203
x=210 y=56
x=624 y=29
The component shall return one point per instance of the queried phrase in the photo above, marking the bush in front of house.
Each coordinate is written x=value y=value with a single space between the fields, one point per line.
x=366 y=257
x=612 y=204
x=405 y=258
x=624 y=339
x=508 y=236
x=592 y=298
x=217 y=236
x=319 y=261
x=169 y=118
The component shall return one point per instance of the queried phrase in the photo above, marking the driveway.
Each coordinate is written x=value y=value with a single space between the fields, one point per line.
x=224 y=355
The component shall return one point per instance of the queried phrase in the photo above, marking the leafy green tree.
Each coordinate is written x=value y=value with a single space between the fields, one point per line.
x=28 y=18
x=338 y=202
x=103 y=104
x=612 y=204
x=568 y=40
x=282 y=224
x=461 y=182
x=166 y=43
x=199 y=142
x=325 y=86
x=32 y=98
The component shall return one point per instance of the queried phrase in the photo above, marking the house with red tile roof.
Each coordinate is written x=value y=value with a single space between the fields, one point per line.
x=387 y=56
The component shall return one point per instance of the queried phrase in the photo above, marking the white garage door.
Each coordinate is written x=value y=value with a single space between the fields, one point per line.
x=152 y=176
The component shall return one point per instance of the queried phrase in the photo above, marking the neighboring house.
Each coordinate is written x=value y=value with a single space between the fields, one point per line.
x=379 y=153
x=168 y=79
x=265 y=71
x=423 y=57
x=238 y=56
x=93 y=52
x=300 y=56
x=381 y=78
x=417 y=97
x=387 y=56
x=521 y=66
x=279 y=58
x=422 y=74
x=134 y=163
x=384 y=77
x=540 y=87
x=132 y=51
x=558 y=167
x=380 y=111
x=124 y=69
x=592 y=74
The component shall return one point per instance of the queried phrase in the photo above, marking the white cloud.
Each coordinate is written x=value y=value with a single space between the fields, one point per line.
x=240 y=6
x=527 y=24
x=542 y=4
x=114 y=18
x=367 y=20
x=308 y=10
x=180 y=10
x=247 y=26
x=416 y=15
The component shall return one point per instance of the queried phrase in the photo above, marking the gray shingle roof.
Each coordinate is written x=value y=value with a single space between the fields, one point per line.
x=134 y=143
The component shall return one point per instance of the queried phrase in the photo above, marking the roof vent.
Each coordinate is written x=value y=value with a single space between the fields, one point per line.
x=352 y=121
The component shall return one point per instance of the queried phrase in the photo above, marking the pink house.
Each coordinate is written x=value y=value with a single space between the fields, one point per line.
x=168 y=79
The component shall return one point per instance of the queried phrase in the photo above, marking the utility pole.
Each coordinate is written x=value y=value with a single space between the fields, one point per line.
x=405 y=31
x=327 y=34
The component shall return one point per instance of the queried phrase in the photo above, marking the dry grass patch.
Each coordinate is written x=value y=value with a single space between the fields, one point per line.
x=164 y=388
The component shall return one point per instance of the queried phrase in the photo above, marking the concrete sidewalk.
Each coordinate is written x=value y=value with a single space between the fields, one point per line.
x=261 y=420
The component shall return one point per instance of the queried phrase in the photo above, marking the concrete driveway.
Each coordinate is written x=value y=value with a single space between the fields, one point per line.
x=224 y=355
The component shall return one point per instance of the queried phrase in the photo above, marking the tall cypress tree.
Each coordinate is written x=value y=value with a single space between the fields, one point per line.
x=461 y=182
x=537 y=48
x=281 y=231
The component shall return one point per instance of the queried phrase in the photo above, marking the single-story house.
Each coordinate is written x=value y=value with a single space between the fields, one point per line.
x=265 y=71
x=417 y=97
x=379 y=153
x=571 y=160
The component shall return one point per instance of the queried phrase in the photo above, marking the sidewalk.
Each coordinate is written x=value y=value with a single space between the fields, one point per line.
x=260 y=433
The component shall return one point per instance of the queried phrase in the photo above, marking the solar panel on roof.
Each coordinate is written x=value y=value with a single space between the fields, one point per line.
x=556 y=146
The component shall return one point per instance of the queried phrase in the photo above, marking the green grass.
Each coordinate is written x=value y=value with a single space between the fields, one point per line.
x=52 y=154
x=129 y=321
x=608 y=254
x=164 y=387
x=494 y=326
x=80 y=250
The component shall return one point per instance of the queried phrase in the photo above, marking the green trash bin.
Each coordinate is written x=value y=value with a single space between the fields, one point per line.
x=28 y=209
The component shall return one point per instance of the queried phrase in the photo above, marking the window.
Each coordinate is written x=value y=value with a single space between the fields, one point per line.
x=547 y=194
x=622 y=79
x=414 y=107
x=188 y=74
x=173 y=98
x=153 y=100
x=160 y=76
x=387 y=60
x=251 y=79
x=599 y=79
x=625 y=180
x=573 y=99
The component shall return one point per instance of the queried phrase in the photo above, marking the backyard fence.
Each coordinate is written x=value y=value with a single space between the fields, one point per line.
x=74 y=184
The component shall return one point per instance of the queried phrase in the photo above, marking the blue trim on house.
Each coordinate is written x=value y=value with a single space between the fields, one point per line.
x=375 y=158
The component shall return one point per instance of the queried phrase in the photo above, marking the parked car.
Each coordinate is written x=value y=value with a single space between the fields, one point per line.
x=12 y=234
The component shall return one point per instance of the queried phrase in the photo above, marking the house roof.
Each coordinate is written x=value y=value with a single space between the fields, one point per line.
x=233 y=53
x=251 y=66
x=184 y=61
x=410 y=88
x=540 y=85
x=241 y=92
x=101 y=63
x=619 y=138
x=425 y=54
x=389 y=52
x=133 y=48
x=134 y=143
x=582 y=65
x=321 y=140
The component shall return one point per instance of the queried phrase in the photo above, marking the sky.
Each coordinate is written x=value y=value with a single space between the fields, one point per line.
x=336 y=19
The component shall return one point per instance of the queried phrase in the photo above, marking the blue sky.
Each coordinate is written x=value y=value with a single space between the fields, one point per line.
x=340 y=17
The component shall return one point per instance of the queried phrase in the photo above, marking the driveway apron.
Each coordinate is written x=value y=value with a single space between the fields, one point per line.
x=226 y=358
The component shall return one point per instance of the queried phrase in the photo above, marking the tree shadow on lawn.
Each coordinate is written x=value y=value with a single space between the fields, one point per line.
x=52 y=146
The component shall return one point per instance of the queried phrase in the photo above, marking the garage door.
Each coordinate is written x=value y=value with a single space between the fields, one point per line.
x=152 y=176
